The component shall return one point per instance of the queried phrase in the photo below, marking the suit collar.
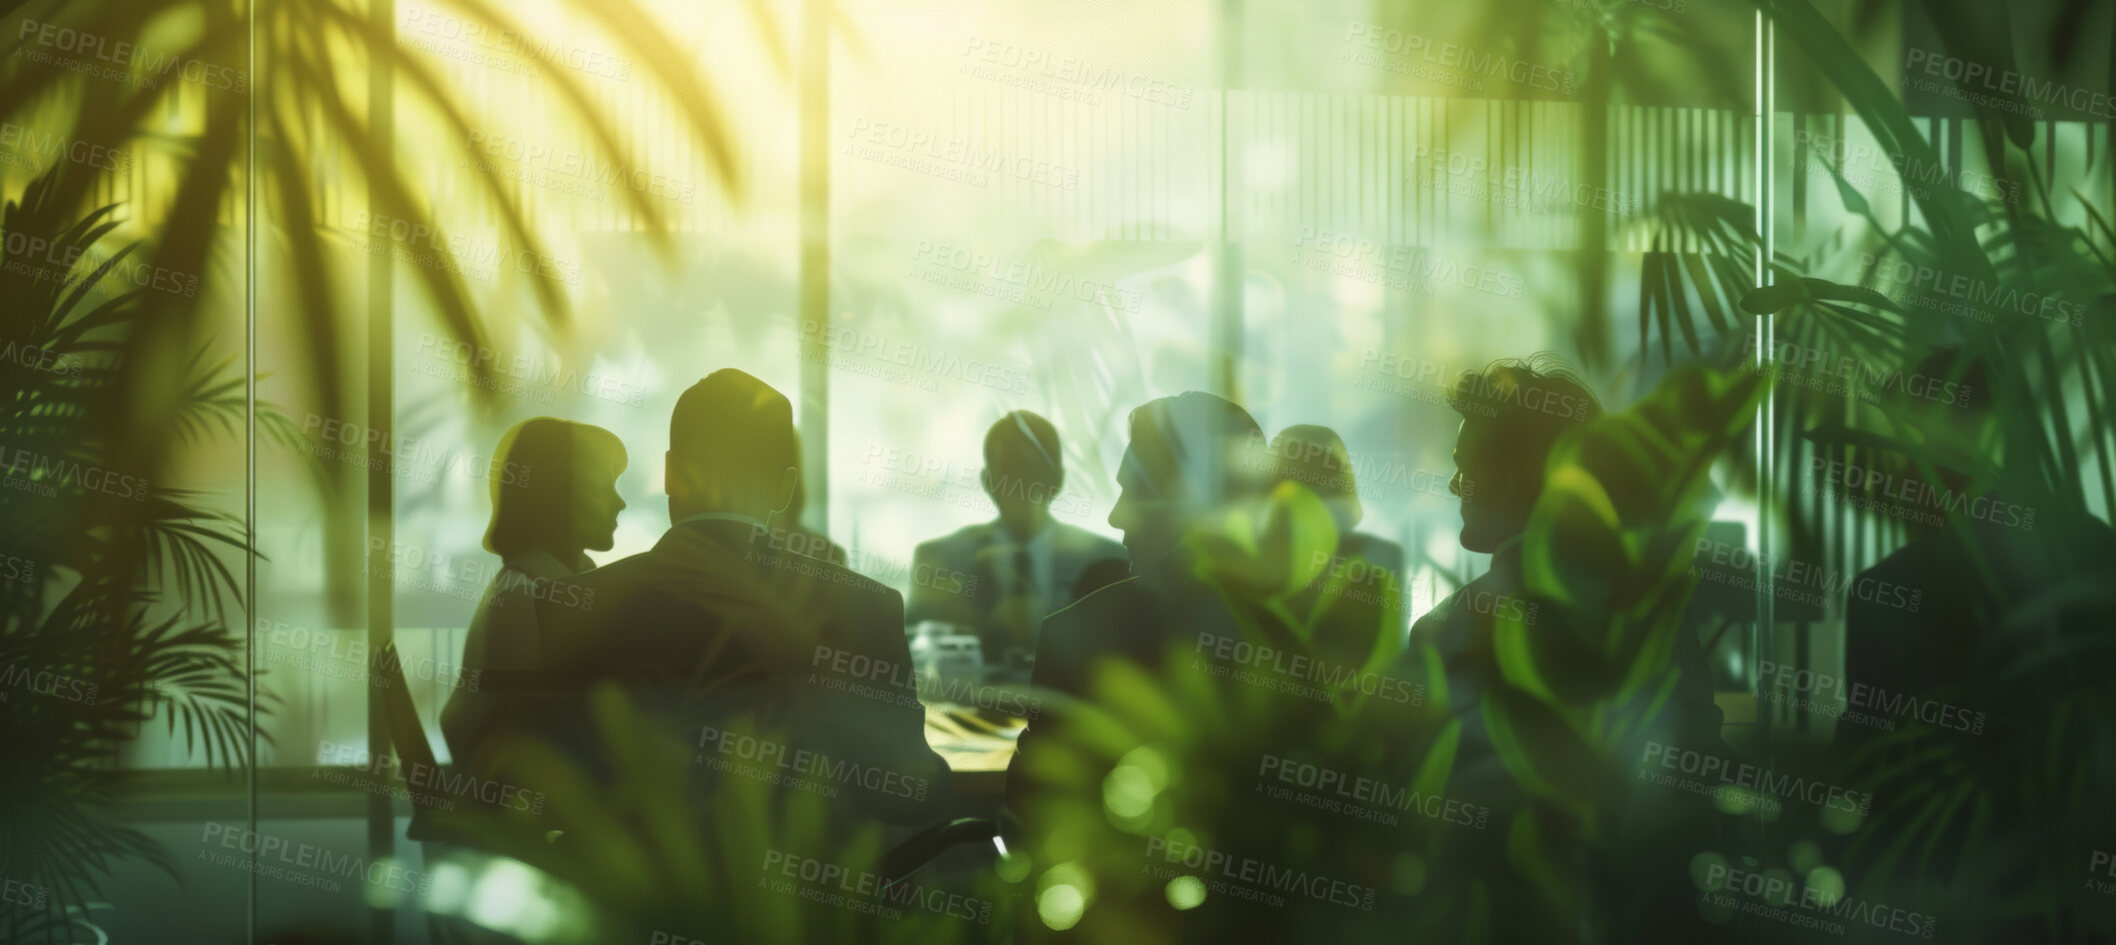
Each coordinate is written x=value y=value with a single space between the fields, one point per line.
x=722 y=517
x=714 y=528
x=1510 y=547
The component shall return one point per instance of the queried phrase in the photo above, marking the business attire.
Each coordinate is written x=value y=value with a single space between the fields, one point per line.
x=1137 y=620
x=1954 y=631
x=1143 y=621
x=1914 y=631
x=1458 y=633
x=504 y=640
x=1459 y=630
x=1187 y=634
x=1923 y=622
x=1002 y=587
x=1169 y=610
x=725 y=633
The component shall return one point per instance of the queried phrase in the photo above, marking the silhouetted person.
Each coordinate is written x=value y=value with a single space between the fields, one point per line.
x=1364 y=576
x=1924 y=622
x=755 y=654
x=1187 y=463
x=1315 y=456
x=1912 y=621
x=1001 y=578
x=554 y=497
x=1512 y=414
x=1101 y=574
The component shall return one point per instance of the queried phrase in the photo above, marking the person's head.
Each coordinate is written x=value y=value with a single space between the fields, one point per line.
x=1512 y=414
x=1185 y=463
x=732 y=448
x=1023 y=472
x=554 y=488
x=1315 y=456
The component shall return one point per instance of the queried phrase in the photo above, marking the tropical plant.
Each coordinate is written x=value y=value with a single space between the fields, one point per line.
x=316 y=61
x=1150 y=787
x=116 y=610
x=1172 y=755
x=2010 y=240
x=1590 y=681
x=1986 y=825
x=131 y=593
x=291 y=114
x=650 y=854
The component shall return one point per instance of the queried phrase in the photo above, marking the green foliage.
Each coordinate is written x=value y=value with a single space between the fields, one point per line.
x=649 y=851
x=1610 y=540
x=316 y=58
x=1986 y=825
x=1179 y=753
x=1607 y=557
x=92 y=645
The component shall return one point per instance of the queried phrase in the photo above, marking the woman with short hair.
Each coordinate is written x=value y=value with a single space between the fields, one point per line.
x=554 y=498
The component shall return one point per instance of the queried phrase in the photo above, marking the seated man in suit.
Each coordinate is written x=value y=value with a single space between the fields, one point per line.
x=1204 y=619
x=1187 y=463
x=1922 y=626
x=764 y=657
x=1512 y=414
x=1024 y=564
x=1913 y=621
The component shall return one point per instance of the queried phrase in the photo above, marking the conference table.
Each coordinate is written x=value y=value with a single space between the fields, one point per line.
x=976 y=748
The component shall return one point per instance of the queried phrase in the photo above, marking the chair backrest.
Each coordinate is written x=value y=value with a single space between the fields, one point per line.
x=414 y=753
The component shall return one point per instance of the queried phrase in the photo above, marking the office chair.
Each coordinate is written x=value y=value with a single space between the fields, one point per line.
x=430 y=806
x=431 y=809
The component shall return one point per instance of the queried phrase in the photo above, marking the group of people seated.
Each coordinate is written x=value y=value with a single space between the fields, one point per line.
x=738 y=611
x=741 y=625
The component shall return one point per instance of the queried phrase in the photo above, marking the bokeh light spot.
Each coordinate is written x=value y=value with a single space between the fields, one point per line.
x=1186 y=892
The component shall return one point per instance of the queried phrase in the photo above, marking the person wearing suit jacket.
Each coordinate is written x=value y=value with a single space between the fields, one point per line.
x=1001 y=578
x=1185 y=466
x=759 y=655
x=1512 y=415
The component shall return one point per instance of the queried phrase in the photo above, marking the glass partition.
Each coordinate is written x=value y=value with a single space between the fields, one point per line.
x=1770 y=335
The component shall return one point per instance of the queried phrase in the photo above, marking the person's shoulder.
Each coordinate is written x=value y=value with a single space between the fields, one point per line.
x=856 y=581
x=1931 y=565
x=839 y=582
x=580 y=591
x=1429 y=625
x=1126 y=599
x=613 y=573
x=1072 y=539
x=1095 y=624
x=1452 y=621
x=964 y=540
